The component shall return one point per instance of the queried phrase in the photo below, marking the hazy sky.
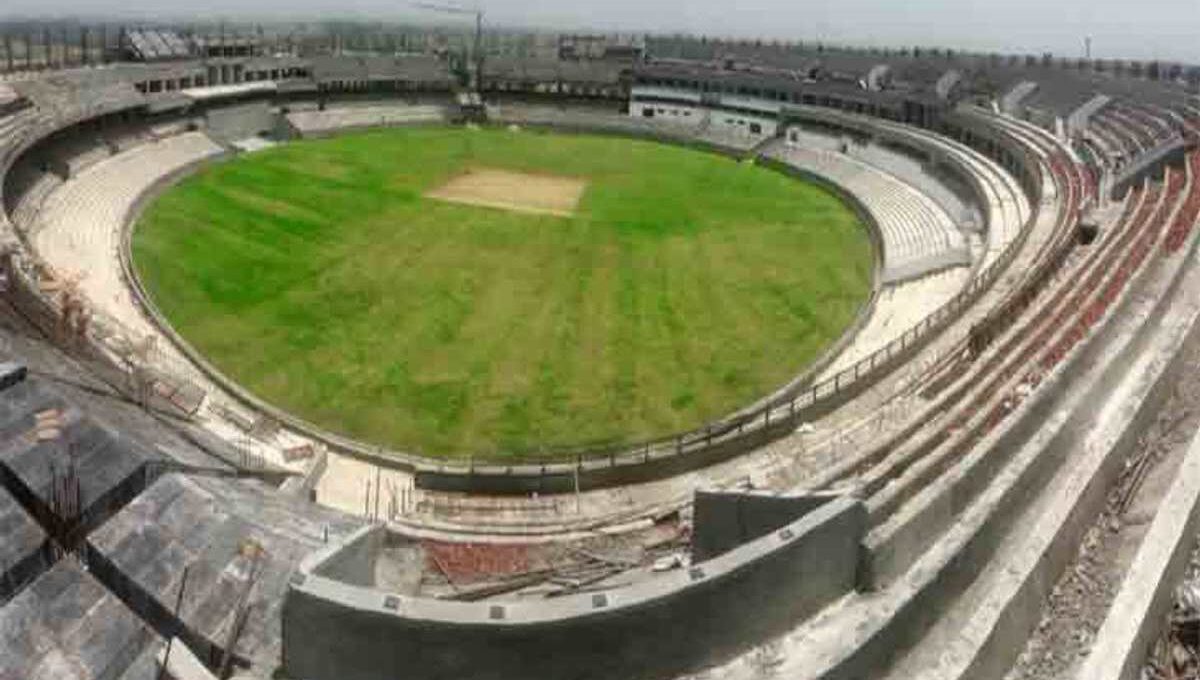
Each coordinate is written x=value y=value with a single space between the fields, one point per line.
x=1144 y=29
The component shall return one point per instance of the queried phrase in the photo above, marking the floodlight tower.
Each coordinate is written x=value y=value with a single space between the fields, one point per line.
x=477 y=12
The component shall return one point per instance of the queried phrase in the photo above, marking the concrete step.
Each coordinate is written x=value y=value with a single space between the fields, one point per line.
x=912 y=507
x=984 y=630
x=869 y=630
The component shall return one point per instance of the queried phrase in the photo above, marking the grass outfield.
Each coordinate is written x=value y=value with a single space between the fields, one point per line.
x=319 y=276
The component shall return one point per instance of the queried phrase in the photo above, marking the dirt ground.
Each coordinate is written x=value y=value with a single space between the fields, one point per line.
x=517 y=191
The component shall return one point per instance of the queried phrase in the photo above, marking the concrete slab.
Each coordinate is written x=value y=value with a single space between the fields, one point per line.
x=203 y=524
x=67 y=626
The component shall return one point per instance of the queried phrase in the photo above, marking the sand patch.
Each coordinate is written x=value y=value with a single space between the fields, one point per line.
x=517 y=191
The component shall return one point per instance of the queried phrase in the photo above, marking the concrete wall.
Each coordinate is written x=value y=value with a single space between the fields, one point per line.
x=725 y=520
x=353 y=561
x=1151 y=165
x=727 y=122
x=674 y=623
x=241 y=121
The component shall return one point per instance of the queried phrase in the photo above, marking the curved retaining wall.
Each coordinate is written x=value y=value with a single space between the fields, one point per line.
x=674 y=623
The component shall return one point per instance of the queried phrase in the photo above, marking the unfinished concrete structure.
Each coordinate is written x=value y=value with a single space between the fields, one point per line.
x=903 y=509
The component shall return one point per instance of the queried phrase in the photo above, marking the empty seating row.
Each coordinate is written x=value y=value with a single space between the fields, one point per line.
x=1119 y=134
x=918 y=236
x=936 y=186
x=1007 y=205
x=953 y=491
x=1158 y=125
x=316 y=122
x=79 y=226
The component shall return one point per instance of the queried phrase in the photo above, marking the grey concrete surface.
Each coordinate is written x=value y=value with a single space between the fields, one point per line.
x=24 y=550
x=66 y=625
x=983 y=635
x=678 y=622
x=724 y=520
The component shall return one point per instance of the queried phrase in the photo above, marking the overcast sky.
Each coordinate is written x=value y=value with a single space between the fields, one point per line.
x=1143 y=29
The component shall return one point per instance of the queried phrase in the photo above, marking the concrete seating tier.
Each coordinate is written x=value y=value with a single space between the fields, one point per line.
x=1160 y=123
x=1045 y=148
x=1119 y=134
x=1150 y=129
x=1007 y=206
x=944 y=189
x=970 y=400
x=1133 y=129
x=918 y=236
x=80 y=153
x=68 y=97
x=1004 y=204
x=1026 y=557
x=382 y=115
x=943 y=498
x=75 y=228
x=1186 y=219
x=31 y=198
x=121 y=138
x=14 y=130
x=1106 y=143
x=586 y=118
x=937 y=187
x=898 y=308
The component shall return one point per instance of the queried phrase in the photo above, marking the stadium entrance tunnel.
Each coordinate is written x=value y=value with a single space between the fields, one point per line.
x=761 y=563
